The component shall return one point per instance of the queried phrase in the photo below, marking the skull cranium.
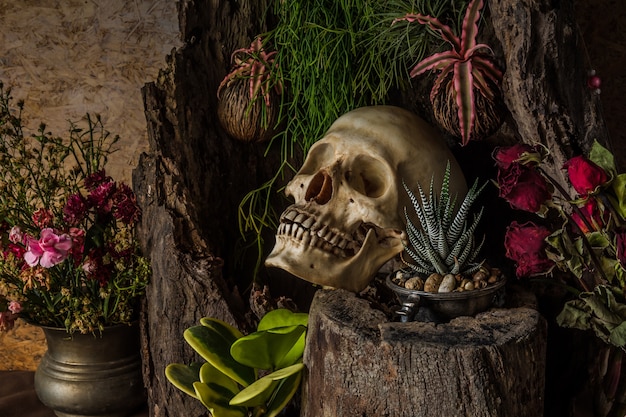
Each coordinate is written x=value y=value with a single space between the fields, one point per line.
x=347 y=219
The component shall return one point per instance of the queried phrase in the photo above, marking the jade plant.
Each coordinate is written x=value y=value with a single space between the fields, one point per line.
x=229 y=383
x=466 y=69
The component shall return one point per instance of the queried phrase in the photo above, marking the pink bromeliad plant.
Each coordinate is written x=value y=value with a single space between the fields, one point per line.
x=247 y=95
x=69 y=257
x=255 y=65
x=465 y=70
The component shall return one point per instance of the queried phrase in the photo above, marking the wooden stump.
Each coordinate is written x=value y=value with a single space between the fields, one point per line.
x=360 y=364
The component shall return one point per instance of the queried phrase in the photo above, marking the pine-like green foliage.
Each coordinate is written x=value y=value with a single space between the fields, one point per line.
x=445 y=241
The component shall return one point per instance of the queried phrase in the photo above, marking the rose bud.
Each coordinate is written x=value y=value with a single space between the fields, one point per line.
x=584 y=175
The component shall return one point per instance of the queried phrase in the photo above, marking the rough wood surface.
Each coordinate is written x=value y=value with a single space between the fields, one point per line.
x=360 y=364
x=189 y=186
x=544 y=83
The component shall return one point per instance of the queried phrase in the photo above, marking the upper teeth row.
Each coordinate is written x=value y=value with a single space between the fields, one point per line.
x=305 y=228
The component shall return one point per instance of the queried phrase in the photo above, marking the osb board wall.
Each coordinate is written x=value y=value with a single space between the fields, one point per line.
x=66 y=58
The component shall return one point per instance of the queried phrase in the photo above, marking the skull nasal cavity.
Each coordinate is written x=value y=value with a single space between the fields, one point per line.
x=320 y=189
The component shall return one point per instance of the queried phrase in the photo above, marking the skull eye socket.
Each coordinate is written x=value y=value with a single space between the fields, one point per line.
x=367 y=176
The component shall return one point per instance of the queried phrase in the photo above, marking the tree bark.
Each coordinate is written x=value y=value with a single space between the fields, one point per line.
x=189 y=187
x=544 y=83
x=361 y=364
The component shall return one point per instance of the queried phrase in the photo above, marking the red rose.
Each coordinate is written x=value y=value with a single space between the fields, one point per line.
x=584 y=175
x=506 y=156
x=593 y=219
x=523 y=187
x=525 y=244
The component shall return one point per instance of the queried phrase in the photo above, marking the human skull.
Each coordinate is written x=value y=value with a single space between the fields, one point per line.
x=348 y=217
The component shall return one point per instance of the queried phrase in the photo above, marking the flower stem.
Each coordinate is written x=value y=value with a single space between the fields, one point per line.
x=575 y=208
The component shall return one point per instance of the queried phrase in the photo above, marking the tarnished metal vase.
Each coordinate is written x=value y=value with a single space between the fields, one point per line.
x=88 y=375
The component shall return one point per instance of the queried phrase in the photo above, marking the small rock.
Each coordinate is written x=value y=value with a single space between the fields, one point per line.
x=448 y=284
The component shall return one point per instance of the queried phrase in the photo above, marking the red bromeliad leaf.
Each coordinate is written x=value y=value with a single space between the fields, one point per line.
x=481 y=84
x=470 y=25
x=464 y=87
x=470 y=68
x=437 y=61
x=487 y=67
x=256 y=65
x=440 y=80
x=444 y=30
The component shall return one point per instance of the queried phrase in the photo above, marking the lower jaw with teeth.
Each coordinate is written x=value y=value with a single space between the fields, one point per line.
x=322 y=239
x=313 y=252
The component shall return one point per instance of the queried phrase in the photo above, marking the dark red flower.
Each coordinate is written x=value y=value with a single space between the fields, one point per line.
x=125 y=205
x=75 y=209
x=593 y=218
x=506 y=156
x=525 y=244
x=523 y=187
x=17 y=250
x=584 y=175
x=78 y=243
x=95 y=179
x=101 y=197
x=96 y=269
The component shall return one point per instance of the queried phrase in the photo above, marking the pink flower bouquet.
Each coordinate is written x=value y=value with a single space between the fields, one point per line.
x=68 y=254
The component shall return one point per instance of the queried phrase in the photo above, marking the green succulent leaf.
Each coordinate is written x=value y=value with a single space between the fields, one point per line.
x=444 y=240
x=259 y=392
x=282 y=317
x=183 y=376
x=286 y=390
x=229 y=332
x=219 y=381
x=256 y=394
x=267 y=349
x=217 y=403
x=212 y=341
x=295 y=354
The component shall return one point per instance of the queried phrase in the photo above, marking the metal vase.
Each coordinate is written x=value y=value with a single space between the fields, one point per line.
x=91 y=375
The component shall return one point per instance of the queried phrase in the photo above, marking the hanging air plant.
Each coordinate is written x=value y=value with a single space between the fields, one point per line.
x=248 y=107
